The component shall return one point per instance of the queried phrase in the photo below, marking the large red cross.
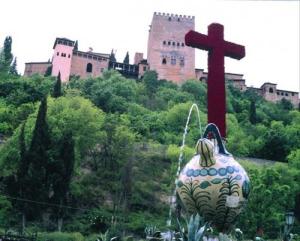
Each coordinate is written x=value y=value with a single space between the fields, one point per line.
x=217 y=49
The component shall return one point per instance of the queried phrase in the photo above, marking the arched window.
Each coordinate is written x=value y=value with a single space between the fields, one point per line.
x=271 y=90
x=89 y=68
x=164 y=42
x=164 y=61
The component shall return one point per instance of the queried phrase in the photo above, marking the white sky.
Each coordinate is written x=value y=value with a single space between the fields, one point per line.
x=268 y=29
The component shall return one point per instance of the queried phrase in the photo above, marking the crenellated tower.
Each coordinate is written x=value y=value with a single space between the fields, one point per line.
x=167 y=52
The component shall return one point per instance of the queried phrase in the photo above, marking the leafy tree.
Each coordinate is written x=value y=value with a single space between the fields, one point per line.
x=126 y=59
x=286 y=104
x=48 y=71
x=275 y=145
x=57 y=87
x=61 y=172
x=151 y=82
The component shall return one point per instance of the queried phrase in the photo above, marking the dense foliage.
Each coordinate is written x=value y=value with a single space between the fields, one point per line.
x=102 y=152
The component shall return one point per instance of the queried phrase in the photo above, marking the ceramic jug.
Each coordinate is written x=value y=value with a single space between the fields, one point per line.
x=212 y=183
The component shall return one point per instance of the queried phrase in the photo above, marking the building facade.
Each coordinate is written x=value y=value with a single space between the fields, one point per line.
x=167 y=54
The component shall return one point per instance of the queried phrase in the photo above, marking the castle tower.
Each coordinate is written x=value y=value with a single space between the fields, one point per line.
x=62 y=56
x=167 y=53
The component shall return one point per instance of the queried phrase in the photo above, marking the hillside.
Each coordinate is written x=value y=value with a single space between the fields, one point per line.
x=123 y=139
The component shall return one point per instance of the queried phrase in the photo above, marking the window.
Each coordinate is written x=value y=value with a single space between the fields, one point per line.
x=169 y=18
x=178 y=44
x=164 y=61
x=57 y=53
x=173 y=60
x=181 y=63
x=271 y=90
x=178 y=19
x=144 y=68
x=281 y=93
x=292 y=94
x=102 y=69
x=89 y=68
x=278 y=93
x=164 y=42
x=286 y=94
x=173 y=43
x=182 y=44
x=169 y=43
x=69 y=56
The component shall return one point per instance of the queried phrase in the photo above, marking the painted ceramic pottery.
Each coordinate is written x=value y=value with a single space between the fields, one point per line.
x=213 y=184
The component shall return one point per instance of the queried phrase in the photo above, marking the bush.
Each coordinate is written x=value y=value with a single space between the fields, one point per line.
x=58 y=236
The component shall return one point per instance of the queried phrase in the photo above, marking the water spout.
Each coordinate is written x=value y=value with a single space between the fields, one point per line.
x=180 y=159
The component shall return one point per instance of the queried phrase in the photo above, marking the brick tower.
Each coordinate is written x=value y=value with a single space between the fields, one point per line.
x=167 y=53
x=62 y=58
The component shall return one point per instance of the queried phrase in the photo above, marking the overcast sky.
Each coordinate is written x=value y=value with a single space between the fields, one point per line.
x=268 y=29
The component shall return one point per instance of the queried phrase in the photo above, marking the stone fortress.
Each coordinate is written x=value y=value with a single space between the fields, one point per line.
x=166 y=54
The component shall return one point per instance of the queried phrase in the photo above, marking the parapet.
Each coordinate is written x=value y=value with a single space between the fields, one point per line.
x=171 y=16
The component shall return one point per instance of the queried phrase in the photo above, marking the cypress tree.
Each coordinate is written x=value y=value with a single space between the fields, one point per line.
x=22 y=176
x=13 y=68
x=112 y=57
x=126 y=59
x=57 y=87
x=76 y=45
x=252 y=113
x=38 y=156
x=8 y=57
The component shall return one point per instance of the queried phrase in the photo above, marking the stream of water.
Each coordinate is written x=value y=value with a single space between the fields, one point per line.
x=180 y=159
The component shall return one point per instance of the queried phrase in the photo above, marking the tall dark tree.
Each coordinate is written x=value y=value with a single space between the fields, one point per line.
x=22 y=176
x=38 y=156
x=60 y=172
x=112 y=57
x=13 y=68
x=76 y=45
x=252 y=113
x=57 y=87
x=126 y=59
x=8 y=57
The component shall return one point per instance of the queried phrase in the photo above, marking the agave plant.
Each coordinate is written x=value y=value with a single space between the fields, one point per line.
x=196 y=228
x=152 y=233
x=238 y=234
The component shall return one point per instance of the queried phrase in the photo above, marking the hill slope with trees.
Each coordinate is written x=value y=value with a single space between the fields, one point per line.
x=101 y=153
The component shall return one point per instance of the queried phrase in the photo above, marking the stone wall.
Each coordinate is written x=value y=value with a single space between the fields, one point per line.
x=36 y=68
x=80 y=61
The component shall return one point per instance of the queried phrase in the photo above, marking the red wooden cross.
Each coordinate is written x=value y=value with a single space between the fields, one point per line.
x=217 y=49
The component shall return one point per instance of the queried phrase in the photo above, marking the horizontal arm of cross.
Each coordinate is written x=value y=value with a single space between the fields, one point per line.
x=198 y=40
x=233 y=50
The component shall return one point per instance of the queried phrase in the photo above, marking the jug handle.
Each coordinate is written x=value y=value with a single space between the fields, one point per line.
x=212 y=128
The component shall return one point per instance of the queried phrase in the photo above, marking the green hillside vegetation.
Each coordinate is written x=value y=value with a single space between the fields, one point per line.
x=101 y=153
